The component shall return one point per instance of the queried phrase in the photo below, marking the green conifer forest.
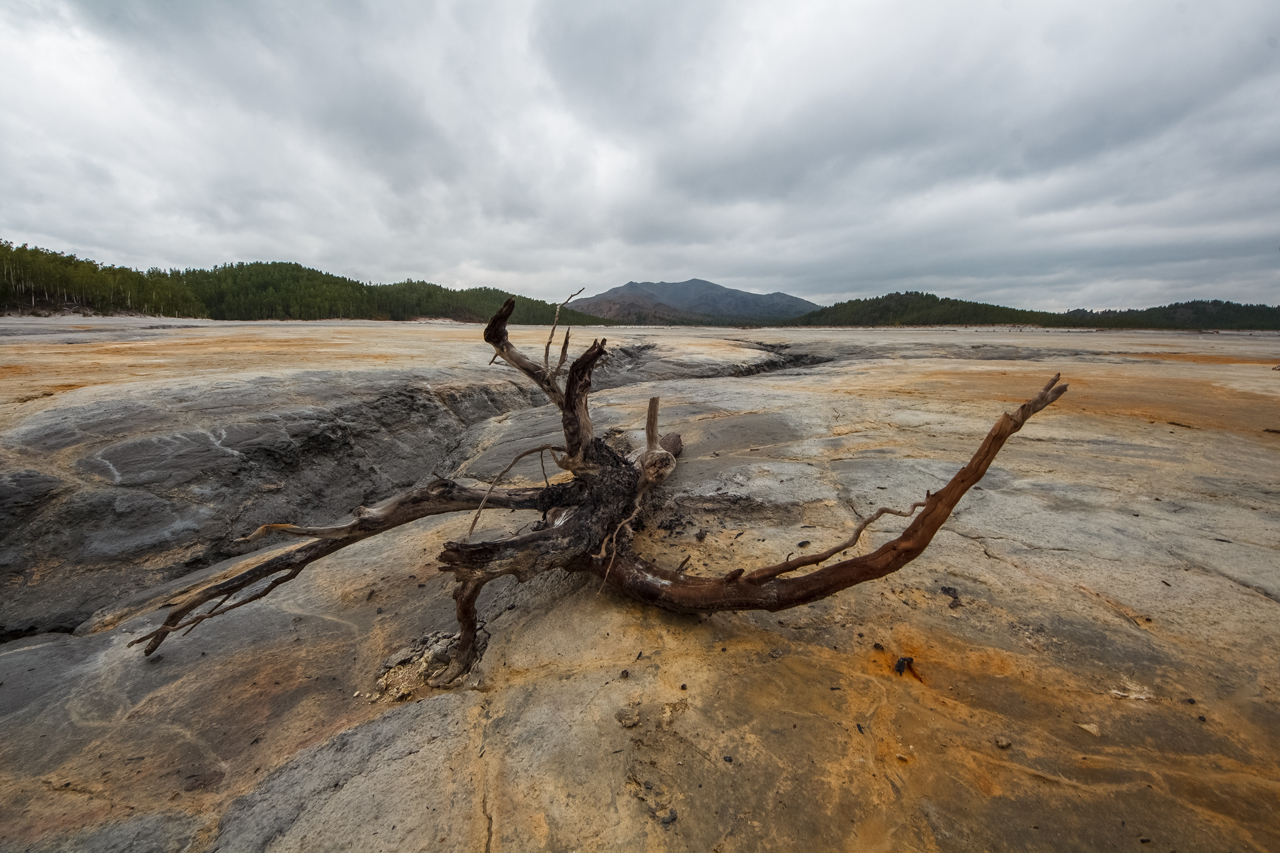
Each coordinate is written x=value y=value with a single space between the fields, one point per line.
x=925 y=309
x=36 y=280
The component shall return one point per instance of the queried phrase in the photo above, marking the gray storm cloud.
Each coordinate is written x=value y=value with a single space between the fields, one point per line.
x=1050 y=155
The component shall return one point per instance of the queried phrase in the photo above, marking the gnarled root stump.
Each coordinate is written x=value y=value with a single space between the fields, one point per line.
x=586 y=521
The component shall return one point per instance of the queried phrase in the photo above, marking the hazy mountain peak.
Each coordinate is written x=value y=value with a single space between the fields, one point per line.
x=692 y=301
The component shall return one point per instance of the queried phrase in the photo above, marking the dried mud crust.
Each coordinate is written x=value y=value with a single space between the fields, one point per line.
x=1052 y=635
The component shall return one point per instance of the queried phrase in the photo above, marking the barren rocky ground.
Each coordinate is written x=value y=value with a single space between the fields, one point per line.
x=1094 y=635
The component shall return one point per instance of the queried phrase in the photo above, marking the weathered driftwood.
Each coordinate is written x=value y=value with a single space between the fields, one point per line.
x=585 y=524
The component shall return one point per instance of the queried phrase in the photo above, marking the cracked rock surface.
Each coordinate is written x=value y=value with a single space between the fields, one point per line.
x=1092 y=640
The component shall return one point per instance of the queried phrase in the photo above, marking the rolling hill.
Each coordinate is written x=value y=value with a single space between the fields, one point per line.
x=39 y=281
x=925 y=309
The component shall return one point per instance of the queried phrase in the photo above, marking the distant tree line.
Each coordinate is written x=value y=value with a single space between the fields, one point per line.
x=925 y=309
x=36 y=280
x=1199 y=314
x=39 y=281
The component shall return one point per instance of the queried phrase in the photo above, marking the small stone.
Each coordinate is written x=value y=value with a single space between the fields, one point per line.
x=1091 y=728
x=902 y=757
x=728 y=759
x=625 y=674
x=628 y=717
x=1003 y=742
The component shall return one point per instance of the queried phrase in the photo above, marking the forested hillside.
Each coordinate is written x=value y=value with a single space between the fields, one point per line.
x=41 y=280
x=38 y=280
x=1200 y=314
x=283 y=291
x=925 y=309
x=918 y=309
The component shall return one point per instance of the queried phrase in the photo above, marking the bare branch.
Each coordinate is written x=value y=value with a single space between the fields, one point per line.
x=288 y=564
x=564 y=355
x=651 y=425
x=656 y=463
x=539 y=449
x=495 y=334
x=438 y=497
x=790 y=565
x=546 y=353
x=574 y=415
x=634 y=576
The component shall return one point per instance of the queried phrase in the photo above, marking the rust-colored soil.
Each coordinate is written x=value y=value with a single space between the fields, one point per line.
x=1138 y=392
x=1108 y=680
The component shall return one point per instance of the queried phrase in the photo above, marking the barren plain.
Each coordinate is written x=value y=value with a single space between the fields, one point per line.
x=1093 y=637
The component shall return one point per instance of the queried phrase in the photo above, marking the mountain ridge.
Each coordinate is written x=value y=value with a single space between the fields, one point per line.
x=695 y=301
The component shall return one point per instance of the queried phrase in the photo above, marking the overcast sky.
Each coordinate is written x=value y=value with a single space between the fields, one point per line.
x=1036 y=154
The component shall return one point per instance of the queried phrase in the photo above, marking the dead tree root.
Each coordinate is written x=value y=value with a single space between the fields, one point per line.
x=585 y=525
